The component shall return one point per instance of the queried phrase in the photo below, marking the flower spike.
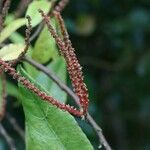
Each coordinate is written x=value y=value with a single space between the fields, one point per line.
x=73 y=66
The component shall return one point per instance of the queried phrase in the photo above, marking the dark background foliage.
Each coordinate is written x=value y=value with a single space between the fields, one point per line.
x=112 y=42
x=111 y=39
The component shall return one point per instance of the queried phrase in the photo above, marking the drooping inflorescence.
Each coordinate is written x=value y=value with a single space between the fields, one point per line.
x=30 y=86
x=73 y=66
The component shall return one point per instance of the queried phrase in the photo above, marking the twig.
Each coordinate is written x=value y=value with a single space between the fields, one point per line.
x=41 y=25
x=89 y=118
x=3 y=95
x=8 y=139
x=15 y=125
x=37 y=31
x=99 y=132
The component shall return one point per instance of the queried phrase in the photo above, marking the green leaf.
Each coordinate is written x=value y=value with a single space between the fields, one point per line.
x=48 y=127
x=45 y=47
x=59 y=68
x=33 y=8
x=17 y=38
x=12 y=89
x=11 y=51
x=12 y=27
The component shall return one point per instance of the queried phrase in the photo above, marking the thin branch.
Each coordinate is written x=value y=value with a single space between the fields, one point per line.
x=8 y=139
x=98 y=130
x=37 y=31
x=3 y=95
x=15 y=125
x=56 y=79
x=41 y=25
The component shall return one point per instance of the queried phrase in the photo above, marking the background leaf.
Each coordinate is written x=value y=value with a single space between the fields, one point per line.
x=32 y=11
x=11 y=51
x=9 y=29
x=45 y=47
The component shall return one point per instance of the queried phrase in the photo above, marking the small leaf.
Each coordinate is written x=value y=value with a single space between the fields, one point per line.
x=45 y=47
x=11 y=51
x=33 y=8
x=48 y=127
x=12 y=27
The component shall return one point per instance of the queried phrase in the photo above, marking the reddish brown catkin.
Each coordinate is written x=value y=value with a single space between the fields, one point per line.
x=73 y=65
x=79 y=86
x=30 y=86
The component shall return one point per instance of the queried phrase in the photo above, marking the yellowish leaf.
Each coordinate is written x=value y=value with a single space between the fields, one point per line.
x=11 y=51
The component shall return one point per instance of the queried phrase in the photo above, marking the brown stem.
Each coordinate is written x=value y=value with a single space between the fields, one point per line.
x=37 y=31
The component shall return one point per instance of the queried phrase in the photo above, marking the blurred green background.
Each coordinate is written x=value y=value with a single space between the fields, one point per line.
x=111 y=39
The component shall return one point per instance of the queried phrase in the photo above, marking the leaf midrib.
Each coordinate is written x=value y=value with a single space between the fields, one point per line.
x=48 y=124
